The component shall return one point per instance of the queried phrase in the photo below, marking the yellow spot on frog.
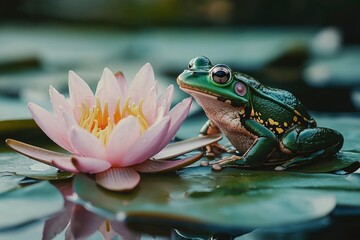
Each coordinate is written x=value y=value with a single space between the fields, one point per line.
x=295 y=118
x=252 y=112
x=279 y=130
x=285 y=124
x=242 y=111
x=272 y=122
x=261 y=121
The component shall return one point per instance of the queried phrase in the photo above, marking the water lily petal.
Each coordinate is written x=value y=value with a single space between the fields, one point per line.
x=84 y=223
x=86 y=144
x=36 y=153
x=123 y=136
x=178 y=115
x=123 y=86
x=60 y=104
x=54 y=129
x=69 y=120
x=149 y=106
x=118 y=179
x=90 y=165
x=166 y=98
x=176 y=149
x=64 y=165
x=147 y=145
x=157 y=166
x=143 y=81
x=108 y=90
x=80 y=93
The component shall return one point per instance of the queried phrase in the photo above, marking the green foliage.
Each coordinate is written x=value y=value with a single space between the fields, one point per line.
x=28 y=204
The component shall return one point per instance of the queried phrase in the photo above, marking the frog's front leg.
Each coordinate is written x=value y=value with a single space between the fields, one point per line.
x=264 y=144
x=213 y=149
x=309 y=144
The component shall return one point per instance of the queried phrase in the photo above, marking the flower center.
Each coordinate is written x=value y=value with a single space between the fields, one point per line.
x=97 y=121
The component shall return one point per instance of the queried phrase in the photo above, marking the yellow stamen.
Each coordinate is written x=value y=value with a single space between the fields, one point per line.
x=107 y=226
x=97 y=121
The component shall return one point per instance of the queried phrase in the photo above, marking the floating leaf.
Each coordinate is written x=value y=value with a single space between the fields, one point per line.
x=29 y=203
x=206 y=198
x=21 y=165
x=9 y=181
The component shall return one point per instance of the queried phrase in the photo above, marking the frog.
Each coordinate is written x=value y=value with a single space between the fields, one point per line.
x=265 y=125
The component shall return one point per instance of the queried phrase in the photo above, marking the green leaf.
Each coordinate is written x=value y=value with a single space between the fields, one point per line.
x=29 y=203
x=21 y=165
x=210 y=199
x=9 y=181
x=346 y=188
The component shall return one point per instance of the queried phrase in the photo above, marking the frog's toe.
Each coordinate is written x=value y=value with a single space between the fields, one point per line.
x=213 y=150
x=224 y=162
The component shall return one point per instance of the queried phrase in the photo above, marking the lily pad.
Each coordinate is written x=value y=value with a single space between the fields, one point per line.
x=23 y=166
x=346 y=188
x=28 y=204
x=202 y=197
x=9 y=181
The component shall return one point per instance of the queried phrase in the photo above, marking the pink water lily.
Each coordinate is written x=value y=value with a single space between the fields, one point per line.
x=112 y=133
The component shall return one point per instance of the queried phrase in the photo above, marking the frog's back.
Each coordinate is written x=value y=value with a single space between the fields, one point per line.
x=282 y=97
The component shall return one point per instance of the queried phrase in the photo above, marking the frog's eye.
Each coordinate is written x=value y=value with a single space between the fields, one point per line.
x=240 y=89
x=220 y=74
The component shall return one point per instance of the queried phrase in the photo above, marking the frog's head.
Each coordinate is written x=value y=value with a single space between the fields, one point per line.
x=217 y=82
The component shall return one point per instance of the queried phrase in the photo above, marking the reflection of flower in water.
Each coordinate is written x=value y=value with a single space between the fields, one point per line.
x=81 y=223
x=113 y=132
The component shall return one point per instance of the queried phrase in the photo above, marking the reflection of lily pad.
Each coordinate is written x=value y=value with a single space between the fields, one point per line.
x=21 y=165
x=230 y=199
x=28 y=204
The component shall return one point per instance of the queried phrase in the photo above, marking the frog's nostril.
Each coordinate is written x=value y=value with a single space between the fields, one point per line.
x=200 y=63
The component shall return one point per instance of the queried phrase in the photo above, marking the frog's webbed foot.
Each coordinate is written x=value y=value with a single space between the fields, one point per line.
x=213 y=150
x=225 y=161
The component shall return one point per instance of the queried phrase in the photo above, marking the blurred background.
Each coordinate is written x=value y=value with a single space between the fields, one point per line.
x=310 y=47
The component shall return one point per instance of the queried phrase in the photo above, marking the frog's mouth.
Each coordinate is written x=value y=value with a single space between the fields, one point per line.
x=192 y=90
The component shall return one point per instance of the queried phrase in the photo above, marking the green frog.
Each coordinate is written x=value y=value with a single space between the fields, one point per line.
x=265 y=125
